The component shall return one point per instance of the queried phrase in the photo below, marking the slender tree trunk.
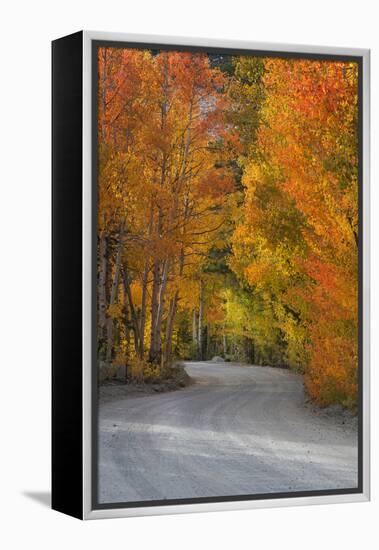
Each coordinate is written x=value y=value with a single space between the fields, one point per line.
x=127 y=323
x=194 y=328
x=157 y=295
x=162 y=292
x=200 y=325
x=224 y=344
x=170 y=328
x=143 y=313
x=113 y=296
x=156 y=340
x=172 y=313
x=252 y=352
x=154 y=311
x=144 y=291
x=205 y=350
x=102 y=292
x=134 y=317
x=208 y=341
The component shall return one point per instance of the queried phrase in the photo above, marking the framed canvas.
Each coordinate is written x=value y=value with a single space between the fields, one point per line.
x=210 y=275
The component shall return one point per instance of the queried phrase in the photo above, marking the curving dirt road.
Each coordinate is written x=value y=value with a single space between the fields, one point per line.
x=238 y=430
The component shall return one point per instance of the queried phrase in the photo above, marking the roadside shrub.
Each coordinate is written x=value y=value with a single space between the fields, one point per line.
x=136 y=369
x=141 y=370
x=152 y=373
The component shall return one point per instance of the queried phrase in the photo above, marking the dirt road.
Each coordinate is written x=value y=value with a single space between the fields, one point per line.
x=237 y=430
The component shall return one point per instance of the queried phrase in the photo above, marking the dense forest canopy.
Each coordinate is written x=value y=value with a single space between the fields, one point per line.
x=228 y=214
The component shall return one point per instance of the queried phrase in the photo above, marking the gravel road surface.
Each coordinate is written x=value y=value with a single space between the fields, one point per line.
x=238 y=430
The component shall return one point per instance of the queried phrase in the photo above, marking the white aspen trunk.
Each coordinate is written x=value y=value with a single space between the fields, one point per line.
x=157 y=295
x=126 y=325
x=194 y=327
x=156 y=350
x=170 y=329
x=154 y=311
x=141 y=351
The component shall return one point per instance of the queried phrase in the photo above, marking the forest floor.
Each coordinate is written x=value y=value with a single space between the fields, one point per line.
x=116 y=389
x=236 y=430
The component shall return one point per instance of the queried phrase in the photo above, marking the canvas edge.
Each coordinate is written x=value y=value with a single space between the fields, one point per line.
x=88 y=512
x=366 y=279
x=87 y=278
